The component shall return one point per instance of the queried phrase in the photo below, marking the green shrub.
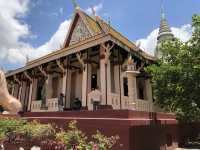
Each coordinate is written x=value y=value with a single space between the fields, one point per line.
x=19 y=131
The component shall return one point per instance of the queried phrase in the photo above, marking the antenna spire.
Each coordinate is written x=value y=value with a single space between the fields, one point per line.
x=93 y=11
x=75 y=4
x=162 y=10
x=27 y=58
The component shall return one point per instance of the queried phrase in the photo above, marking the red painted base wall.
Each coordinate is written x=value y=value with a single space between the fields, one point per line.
x=137 y=130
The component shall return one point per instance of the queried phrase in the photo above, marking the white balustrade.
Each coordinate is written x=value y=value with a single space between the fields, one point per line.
x=36 y=106
x=94 y=95
x=125 y=102
x=143 y=105
x=52 y=105
x=115 y=100
x=140 y=105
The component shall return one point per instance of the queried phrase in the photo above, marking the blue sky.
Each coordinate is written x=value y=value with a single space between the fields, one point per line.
x=134 y=18
x=36 y=27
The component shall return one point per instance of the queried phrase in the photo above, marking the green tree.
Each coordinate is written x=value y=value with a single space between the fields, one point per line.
x=176 y=76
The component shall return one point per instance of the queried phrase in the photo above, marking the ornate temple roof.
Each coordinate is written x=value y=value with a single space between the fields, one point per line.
x=97 y=27
x=164 y=30
x=97 y=31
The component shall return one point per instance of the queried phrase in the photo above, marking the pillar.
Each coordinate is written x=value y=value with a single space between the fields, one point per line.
x=89 y=69
x=30 y=96
x=68 y=89
x=23 y=95
x=103 y=76
x=84 y=87
x=64 y=86
x=13 y=89
x=132 y=88
x=34 y=91
x=20 y=91
x=45 y=93
x=64 y=79
x=109 y=99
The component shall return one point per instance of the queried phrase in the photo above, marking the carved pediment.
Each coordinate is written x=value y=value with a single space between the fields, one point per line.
x=80 y=32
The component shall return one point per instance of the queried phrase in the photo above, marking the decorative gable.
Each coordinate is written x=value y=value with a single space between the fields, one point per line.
x=82 y=27
x=79 y=33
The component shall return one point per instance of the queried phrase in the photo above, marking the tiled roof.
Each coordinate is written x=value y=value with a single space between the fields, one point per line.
x=99 y=26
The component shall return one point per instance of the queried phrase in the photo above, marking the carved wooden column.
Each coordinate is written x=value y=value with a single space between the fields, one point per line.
x=84 y=87
x=68 y=89
x=63 y=70
x=20 y=86
x=108 y=71
x=105 y=52
x=103 y=75
x=13 y=89
x=30 y=90
x=45 y=88
x=23 y=95
x=64 y=79
x=84 y=79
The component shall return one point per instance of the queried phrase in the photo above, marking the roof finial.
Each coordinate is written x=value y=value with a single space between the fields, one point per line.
x=2 y=69
x=162 y=10
x=76 y=6
x=27 y=58
x=109 y=21
x=93 y=11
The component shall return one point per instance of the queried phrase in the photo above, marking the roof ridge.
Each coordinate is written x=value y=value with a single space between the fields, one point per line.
x=102 y=23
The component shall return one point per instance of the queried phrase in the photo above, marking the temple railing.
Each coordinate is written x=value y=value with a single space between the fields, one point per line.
x=36 y=106
x=125 y=102
x=143 y=105
x=52 y=105
x=115 y=100
x=140 y=105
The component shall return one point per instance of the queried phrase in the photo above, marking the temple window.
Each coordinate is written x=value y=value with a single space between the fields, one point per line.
x=55 y=81
x=125 y=85
x=94 y=82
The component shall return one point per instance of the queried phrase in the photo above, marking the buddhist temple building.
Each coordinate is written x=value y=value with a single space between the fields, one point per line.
x=97 y=68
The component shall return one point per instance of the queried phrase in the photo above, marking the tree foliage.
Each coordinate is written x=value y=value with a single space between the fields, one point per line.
x=176 y=76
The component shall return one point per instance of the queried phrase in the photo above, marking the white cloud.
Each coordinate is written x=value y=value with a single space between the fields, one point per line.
x=12 y=49
x=183 y=33
x=12 y=30
x=56 y=41
x=96 y=8
x=149 y=43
